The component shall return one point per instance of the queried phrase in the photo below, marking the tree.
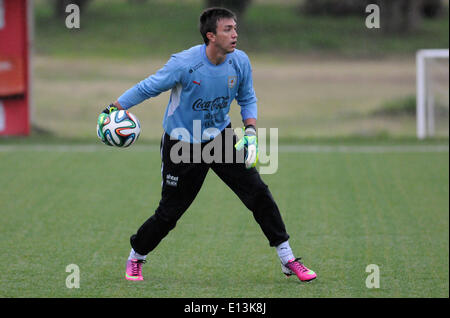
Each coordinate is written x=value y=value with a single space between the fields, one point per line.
x=432 y=8
x=397 y=16
x=237 y=6
x=334 y=7
x=400 y=16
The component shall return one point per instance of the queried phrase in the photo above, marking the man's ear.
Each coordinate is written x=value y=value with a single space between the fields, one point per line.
x=211 y=36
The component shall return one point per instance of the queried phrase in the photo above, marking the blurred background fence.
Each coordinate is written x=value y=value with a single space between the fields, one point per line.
x=319 y=71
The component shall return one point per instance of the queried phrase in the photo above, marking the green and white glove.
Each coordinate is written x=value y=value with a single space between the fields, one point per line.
x=250 y=143
x=102 y=120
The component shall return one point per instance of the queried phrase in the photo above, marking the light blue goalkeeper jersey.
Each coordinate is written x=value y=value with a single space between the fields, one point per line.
x=201 y=93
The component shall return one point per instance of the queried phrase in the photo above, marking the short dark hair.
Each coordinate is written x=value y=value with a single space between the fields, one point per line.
x=209 y=18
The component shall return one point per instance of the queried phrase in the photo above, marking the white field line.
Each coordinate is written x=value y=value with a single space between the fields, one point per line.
x=363 y=149
x=281 y=148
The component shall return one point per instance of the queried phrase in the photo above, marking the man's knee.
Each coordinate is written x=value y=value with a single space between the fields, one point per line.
x=263 y=199
x=259 y=198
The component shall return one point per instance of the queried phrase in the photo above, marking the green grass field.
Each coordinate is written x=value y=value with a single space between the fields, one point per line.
x=344 y=210
x=377 y=196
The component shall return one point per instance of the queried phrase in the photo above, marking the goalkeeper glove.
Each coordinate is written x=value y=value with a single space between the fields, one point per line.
x=109 y=109
x=102 y=120
x=250 y=143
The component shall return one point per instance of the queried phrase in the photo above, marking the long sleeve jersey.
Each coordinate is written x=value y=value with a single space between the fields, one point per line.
x=201 y=93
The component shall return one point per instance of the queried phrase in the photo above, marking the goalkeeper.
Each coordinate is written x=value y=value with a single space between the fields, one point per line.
x=203 y=81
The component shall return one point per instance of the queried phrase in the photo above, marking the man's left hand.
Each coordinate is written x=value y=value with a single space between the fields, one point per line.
x=250 y=142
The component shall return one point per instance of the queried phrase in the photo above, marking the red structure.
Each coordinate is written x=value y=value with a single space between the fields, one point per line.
x=14 y=67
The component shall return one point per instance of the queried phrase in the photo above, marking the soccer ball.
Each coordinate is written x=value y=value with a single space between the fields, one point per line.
x=121 y=129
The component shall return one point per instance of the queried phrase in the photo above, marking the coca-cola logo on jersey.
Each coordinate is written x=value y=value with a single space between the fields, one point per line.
x=209 y=105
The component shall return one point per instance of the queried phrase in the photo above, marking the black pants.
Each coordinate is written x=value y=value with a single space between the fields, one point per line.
x=182 y=181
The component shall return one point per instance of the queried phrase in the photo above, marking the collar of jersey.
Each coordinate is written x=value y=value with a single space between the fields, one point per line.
x=203 y=48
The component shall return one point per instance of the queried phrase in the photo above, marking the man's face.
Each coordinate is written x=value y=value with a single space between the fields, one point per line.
x=226 y=35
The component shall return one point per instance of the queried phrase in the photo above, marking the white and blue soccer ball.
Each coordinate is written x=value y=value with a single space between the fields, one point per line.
x=121 y=129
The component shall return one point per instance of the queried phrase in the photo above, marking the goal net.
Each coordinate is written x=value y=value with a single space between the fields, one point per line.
x=432 y=93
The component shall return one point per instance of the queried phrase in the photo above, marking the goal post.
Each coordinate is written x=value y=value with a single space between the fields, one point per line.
x=15 y=69
x=425 y=107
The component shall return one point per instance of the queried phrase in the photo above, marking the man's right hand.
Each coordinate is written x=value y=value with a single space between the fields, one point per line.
x=109 y=109
x=102 y=119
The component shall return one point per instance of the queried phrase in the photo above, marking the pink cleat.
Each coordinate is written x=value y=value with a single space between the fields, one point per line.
x=294 y=266
x=134 y=269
